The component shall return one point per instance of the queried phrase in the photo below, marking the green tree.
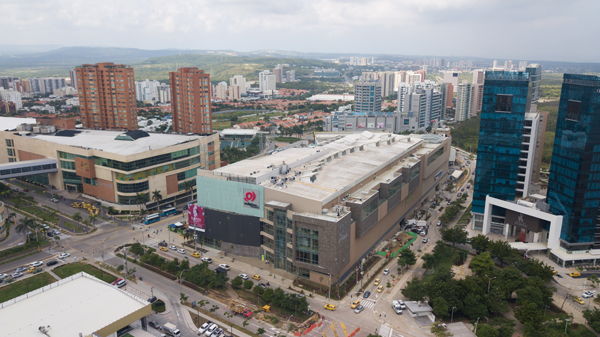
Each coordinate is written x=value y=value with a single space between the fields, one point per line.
x=77 y=216
x=482 y=264
x=530 y=315
x=485 y=330
x=594 y=279
x=429 y=260
x=502 y=251
x=248 y=284
x=185 y=264
x=415 y=290
x=593 y=318
x=474 y=307
x=407 y=258
x=157 y=198
x=189 y=188
x=535 y=267
x=454 y=235
x=480 y=243
x=439 y=330
x=237 y=282
x=258 y=290
x=440 y=307
x=268 y=294
x=141 y=199
x=260 y=331
x=25 y=225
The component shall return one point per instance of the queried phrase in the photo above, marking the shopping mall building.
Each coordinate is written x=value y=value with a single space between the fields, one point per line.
x=318 y=211
x=109 y=166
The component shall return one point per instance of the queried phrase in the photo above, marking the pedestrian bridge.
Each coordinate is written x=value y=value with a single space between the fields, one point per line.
x=27 y=168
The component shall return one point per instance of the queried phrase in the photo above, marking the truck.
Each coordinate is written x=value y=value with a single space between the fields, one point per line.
x=238 y=308
x=171 y=330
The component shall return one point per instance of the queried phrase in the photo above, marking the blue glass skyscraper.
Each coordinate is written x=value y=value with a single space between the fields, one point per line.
x=506 y=99
x=574 y=184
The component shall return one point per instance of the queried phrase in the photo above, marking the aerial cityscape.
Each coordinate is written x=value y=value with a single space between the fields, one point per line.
x=318 y=169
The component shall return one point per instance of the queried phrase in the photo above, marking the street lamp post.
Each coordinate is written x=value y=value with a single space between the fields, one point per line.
x=180 y=286
x=476 y=324
x=287 y=323
x=566 y=322
x=452 y=316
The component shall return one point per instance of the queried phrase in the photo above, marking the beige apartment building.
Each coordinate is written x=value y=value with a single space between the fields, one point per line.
x=111 y=166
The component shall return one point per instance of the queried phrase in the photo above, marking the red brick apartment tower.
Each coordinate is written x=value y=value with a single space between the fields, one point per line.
x=107 y=96
x=190 y=101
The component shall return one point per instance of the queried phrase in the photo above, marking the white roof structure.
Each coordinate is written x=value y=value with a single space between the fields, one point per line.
x=78 y=304
x=327 y=97
x=105 y=141
x=456 y=174
x=239 y=132
x=11 y=123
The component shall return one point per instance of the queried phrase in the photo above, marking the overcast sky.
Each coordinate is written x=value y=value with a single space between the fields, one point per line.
x=561 y=30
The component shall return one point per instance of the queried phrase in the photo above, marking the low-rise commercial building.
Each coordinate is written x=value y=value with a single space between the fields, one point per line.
x=318 y=211
x=114 y=166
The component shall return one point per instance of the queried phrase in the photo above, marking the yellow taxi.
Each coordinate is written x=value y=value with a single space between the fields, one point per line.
x=330 y=307
x=256 y=277
x=379 y=289
x=355 y=304
x=554 y=272
x=164 y=249
x=75 y=205
x=196 y=254
x=31 y=269
x=377 y=281
x=578 y=300
x=574 y=274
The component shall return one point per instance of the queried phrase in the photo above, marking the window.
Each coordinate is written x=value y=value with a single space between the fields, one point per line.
x=146 y=162
x=69 y=165
x=307 y=245
x=504 y=103
x=573 y=110
x=10 y=152
x=65 y=155
x=92 y=181
x=265 y=227
x=132 y=188
x=435 y=156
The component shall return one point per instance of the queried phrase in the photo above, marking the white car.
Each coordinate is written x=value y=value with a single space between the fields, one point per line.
x=54 y=200
x=63 y=255
x=172 y=247
x=207 y=259
x=36 y=264
x=211 y=329
x=204 y=327
x=588 y=294
x=386 y=272
x=224 y=266
x=425 y=240
x=182 y=251
x=439 y=223
x=244 y=276
x=16 y=274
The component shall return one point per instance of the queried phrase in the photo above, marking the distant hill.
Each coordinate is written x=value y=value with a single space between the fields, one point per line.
x=222 y=67
x=17 y=49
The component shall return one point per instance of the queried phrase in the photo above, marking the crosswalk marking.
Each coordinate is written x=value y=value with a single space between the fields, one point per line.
x=385 y=331
x=324 y=334
x=367 y=304
x=344 y=328
x=333 y=329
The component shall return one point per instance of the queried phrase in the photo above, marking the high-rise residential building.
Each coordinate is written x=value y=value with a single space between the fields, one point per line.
x=476 y=99
x=290 y=76
x=163 y=93
x=73 y=76
x=11 y=96
x=413 y=77
x=522 y=65
x=478 y=76
x=424 y=101
x=387 y=81
x=266 y=81
x=506 y=140
x=278 y=72
x=449 y=95
x=535 y=72
x=240 y=81
x=107 y=96
x=508 y=65
x=234 y=92
x=574 y=183
x=190 y=101
x=495 y=64
x=463 y=101
x=539 y=146
x=146 y=90
x=5 y=81
x=367 y=97
x=220 y=91
x=452 y=78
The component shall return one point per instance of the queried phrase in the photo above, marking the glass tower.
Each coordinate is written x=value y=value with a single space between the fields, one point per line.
x=506 y=99
x=574 y=184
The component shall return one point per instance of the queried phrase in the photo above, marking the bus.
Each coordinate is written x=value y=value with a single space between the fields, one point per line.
x=168 y=211
x=152 y=218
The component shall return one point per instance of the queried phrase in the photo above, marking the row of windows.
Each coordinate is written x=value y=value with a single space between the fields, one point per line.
x=158 y=170
x=91 y=181
x=27 y=169
x=69 y=165
x=133 y=188
x=146 y=162
x=182 y=186
x=435 y=156
x=10 y=143
x=187 y=174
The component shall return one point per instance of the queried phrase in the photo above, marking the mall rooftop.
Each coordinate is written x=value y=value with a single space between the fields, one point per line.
x=117 y=142
x=338 y=164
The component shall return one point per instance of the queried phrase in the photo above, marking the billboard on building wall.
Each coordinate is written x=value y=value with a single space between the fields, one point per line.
x=380 y=125
x=361 y=125
x=370 y=125
x=196 y=217
x=231 y=196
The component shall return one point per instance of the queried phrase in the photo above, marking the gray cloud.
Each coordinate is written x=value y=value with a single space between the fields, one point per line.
x=516 y=29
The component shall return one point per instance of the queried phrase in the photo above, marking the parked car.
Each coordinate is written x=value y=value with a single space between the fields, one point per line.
x=425 y=240
x=244 y=276
x=20 y=270
x=359 y=309
x=56 y=232
x=224 y=266
x=367 y=294
x=3 y=276
x=262 y=285
x=36 y=264
x=207 y=259
x=152 y=299
x=398 y=311
x=211 y=329
x=16 y=275
x=386 y=272
x=217 y=333
x=204 y=327
x=51 y=263
x=25 y=190
x=64 y=255
x=154 y=324
x=401 y=304
x=588 y=294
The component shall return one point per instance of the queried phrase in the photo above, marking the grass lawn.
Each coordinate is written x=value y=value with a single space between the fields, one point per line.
x=447 y=263
x=19 y=288
x=44 y=215
x=198 y=320
x=72 y=227
x=74 y=268
x=285 y=139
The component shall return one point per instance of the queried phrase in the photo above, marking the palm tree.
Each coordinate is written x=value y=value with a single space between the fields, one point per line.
x=140 y=199
x=92 y=218
x=110 y=210
x=189 y=188
x=11 y=216
x=157 y=197
x=25 y=225
x=77 y=216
